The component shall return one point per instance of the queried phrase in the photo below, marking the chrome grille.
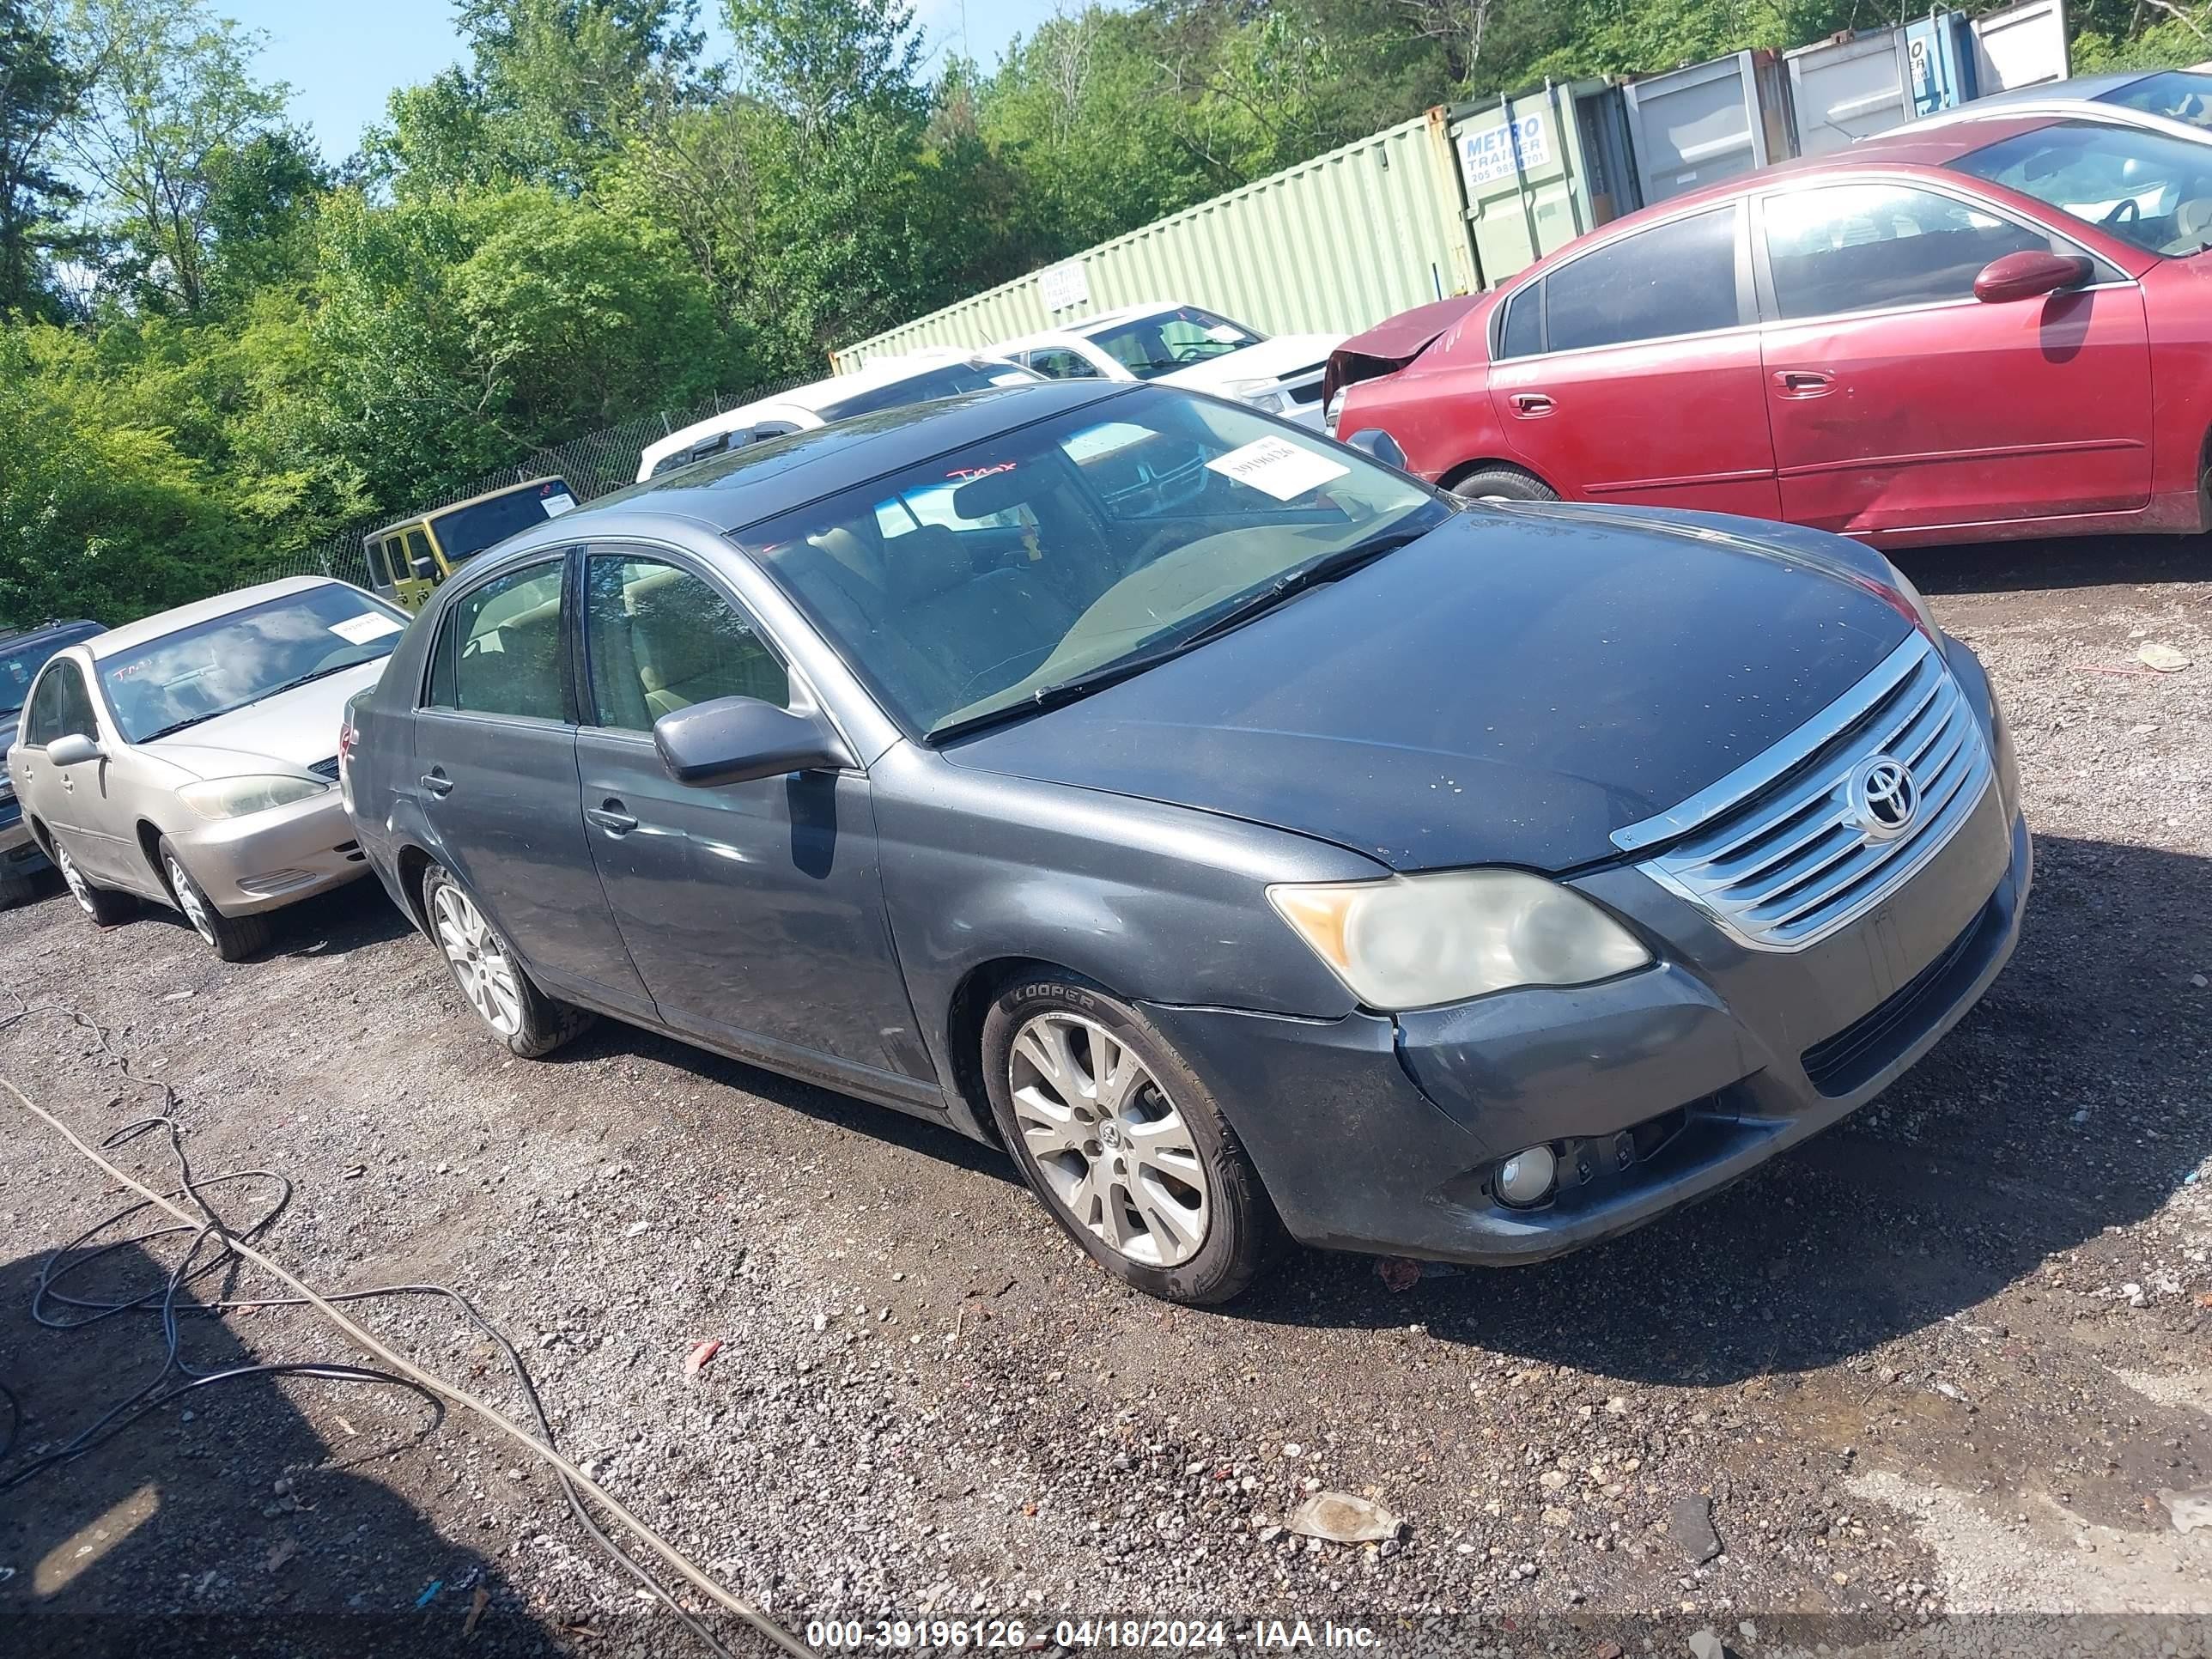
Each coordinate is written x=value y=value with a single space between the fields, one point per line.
x=1780 y=853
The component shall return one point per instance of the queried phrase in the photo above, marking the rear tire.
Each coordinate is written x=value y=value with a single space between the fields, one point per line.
x=232 y=938
x=1503 y=483
x=106 y=908
x=488 y=974
x=1122 y=1143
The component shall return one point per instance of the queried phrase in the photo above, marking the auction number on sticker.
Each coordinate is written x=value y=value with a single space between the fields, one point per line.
x=893 y=1635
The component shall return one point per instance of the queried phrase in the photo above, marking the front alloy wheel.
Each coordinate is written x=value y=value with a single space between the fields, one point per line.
x=1106 y=1137
x=1123 y=1142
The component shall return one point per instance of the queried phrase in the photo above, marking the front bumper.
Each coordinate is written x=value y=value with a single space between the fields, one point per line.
x=269 y=859
x=1379 y=1134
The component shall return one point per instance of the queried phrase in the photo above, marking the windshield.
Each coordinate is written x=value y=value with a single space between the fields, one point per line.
x=949 y=381
x=20 y=666
x=228 y=662
x=2177 y=95
x=466 y=530
x=1165 y=341
x=999 y=573
x=2146 y=188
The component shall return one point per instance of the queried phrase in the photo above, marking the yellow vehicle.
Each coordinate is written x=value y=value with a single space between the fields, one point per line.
x=406 y=560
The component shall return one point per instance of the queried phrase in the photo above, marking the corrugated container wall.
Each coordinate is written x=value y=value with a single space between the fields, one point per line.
x=1539 y=168
x=1332 y=246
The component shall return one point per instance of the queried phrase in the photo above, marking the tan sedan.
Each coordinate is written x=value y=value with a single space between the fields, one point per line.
x=191 y=759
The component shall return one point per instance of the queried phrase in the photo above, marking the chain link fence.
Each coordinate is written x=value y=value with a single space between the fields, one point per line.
x=593 y=464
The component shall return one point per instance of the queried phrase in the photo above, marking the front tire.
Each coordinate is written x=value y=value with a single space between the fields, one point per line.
x=1502 y=483
x=232 y=938
x=1125 y=1146
x=106 y=908
x=489 y=977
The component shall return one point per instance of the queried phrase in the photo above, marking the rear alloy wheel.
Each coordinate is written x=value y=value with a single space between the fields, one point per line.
x=1124 y=1143
x=232 y=938
x=104 y=907
x=1503 y=483
x=484 y=968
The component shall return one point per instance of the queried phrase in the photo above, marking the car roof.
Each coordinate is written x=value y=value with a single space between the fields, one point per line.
x=2081 y=86
x=1082 y=328
x=439 y=512
x=200 y=610
x=744 y=486
x=75 y=628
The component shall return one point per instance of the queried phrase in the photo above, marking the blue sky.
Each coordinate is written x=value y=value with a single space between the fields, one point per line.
x=342 y=60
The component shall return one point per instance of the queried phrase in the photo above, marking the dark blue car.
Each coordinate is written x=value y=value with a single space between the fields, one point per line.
x=1248 y=837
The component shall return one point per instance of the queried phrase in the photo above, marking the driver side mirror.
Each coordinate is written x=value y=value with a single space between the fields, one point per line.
x=1374 y=441
x=2030 y=274
x=75 y=749
x=739 y=739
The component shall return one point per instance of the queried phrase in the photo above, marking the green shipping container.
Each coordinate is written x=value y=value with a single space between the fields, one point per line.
x=1539 y=169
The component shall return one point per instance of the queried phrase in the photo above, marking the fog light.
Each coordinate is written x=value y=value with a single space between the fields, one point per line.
x=1525 y=1179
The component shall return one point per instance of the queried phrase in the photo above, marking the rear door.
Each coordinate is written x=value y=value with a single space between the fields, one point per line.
x=754 y=911
x=496 y=749
x=1898 y=401
x=1631 y=373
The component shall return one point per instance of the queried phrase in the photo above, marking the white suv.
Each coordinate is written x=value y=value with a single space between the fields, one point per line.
x=1185 y=345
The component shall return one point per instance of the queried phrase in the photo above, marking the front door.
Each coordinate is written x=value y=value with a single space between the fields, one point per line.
x=495 y=749
x=1631 y=374
x=754 y=911
x=72 y=800
x=1899 y=401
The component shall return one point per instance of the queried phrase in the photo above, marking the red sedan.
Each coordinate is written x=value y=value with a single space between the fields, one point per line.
x=1995 y=328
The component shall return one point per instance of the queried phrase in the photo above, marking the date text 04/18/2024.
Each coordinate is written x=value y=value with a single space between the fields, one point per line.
x=1161 y=1635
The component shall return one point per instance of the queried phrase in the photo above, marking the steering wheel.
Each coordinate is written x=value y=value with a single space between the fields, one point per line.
x=2125 y=211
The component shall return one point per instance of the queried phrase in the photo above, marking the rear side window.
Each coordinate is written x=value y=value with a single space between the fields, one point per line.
x=1863 y=247
x=1677 y=278
x=500 y=649
x=1522 y=332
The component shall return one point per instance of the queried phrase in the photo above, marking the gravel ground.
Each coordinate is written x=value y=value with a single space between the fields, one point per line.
x=1923 y=1380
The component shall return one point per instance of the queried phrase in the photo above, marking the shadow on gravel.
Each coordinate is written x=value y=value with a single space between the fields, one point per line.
x=2070 y=1100
x=2072 y=562
x=329 y=924
x=171 y=1539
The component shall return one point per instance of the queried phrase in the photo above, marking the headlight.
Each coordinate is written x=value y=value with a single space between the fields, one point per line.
x=1333 y=414
x=1415 y=941
x=237 y=797
x=1264 y=395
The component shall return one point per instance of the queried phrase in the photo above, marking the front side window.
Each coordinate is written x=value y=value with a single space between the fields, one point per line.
x=1076 y=547
x=210 y=668
x=2149 y=189
x=1675 y=278
x=1863 y=247
x=659 y=638
x=20 y=666
x=419 y=560
x=1059 y=363
x=60 y=708
x=1165 y=341
x=500 y=649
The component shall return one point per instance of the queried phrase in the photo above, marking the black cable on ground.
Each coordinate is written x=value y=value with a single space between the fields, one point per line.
x=211 y=1251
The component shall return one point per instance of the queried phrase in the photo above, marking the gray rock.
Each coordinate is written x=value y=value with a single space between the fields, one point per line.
x=1690 y=1524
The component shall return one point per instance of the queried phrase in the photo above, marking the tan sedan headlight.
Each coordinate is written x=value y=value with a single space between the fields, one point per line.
x=238 y=798
x=1415 y=941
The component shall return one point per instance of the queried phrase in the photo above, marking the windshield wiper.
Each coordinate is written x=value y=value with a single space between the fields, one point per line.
x=1329 y=567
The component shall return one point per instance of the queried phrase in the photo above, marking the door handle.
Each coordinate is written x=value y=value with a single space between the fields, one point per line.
x=1531 y=403
x=1801 y=383
x=611 y=818
x=437 y=782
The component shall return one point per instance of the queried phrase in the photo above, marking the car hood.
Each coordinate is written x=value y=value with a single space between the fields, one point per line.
x=1510 y=690
x=298 y=727
x=1269 y=360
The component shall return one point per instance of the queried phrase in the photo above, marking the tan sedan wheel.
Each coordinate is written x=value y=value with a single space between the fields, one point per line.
x=232 y=938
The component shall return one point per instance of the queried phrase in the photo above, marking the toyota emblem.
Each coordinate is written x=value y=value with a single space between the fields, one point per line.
x=1884 y=798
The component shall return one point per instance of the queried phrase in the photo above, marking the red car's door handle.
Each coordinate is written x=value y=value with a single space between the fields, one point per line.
x=1801 y=383
x=1531 y=403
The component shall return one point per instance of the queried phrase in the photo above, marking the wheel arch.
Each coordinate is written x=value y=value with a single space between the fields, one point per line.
x=972 y=997
x=1451 y=479
x=413 y=864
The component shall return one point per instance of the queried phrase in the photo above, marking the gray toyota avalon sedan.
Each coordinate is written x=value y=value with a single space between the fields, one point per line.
x=1250 y=838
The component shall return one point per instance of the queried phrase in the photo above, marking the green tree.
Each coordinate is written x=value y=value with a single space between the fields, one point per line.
x=38 y=93
x=169 y=93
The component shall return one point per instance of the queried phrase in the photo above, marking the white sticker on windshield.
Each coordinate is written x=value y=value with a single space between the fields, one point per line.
x=1224 y=333
x=1011 y=378
x=369 y=625
x=1278 y=467
x=557 y=505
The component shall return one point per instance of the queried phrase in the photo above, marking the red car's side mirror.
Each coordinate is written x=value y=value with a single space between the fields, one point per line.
x=2029 y=274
